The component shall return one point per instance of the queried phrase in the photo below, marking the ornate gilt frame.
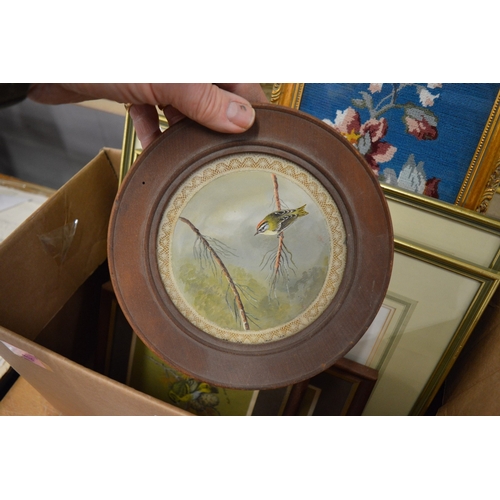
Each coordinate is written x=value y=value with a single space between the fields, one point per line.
x=483 y=175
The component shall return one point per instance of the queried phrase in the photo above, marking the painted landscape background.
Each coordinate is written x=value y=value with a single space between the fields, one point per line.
x=226 y=211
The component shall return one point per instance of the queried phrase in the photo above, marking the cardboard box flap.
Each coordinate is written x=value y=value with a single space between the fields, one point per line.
x=41 y=263
x=73 y=389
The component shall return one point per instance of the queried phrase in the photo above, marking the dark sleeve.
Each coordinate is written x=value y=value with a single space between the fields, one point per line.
x=13 y=93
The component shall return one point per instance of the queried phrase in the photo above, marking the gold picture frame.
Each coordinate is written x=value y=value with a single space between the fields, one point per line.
x=131 y=147
x=441 y=240
x=445 y=298
x=445 y=228
x=483 y=174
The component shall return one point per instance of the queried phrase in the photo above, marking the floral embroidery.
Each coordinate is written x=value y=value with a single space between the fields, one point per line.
x=368 y=136
x=375 y=87
x=426 y=98
x=421 y=124
x=431 y=187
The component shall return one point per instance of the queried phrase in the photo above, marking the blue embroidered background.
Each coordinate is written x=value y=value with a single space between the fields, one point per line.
x=420 y=137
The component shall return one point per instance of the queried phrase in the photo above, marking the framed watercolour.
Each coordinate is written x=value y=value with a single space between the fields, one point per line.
x=149 y=374
x=256 y=307
x=432 y=306
x=414 y=135
x=122 y=356
x=445 y=228
x=392 y=319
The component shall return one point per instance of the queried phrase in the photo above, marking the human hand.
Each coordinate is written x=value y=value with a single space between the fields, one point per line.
x=221 y=107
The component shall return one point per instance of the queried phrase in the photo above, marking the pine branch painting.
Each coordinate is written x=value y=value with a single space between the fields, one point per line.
x=280 y=261
x=225 y=272
x=232 y=277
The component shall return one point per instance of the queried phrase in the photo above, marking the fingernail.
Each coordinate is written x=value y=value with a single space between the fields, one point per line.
x=240 y=114
x=147 y=130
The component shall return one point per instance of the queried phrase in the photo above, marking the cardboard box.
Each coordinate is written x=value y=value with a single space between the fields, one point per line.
x=473 y=386
x=52 y=269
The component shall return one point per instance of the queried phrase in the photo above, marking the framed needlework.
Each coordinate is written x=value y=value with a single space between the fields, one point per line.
x=437 y=140
x=255 y=305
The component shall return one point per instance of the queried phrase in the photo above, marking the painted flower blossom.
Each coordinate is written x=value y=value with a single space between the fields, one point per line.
x=366 y=137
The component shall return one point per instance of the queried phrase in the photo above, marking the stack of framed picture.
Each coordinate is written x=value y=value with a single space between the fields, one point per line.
x=438 y=177
x=445 y=272
x=343 y=389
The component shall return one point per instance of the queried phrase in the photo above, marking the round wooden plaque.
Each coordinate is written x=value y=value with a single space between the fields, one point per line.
x=252 y=260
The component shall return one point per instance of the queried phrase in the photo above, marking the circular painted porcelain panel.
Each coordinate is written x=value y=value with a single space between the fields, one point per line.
x=251 y=248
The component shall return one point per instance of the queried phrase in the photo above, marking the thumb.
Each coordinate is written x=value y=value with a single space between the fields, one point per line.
x=213 y=107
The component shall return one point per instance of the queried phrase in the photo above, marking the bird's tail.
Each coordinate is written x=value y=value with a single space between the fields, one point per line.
x=300 y=212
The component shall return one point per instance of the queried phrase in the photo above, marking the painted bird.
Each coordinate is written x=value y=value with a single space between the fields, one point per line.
x=188 y=390
x=277 y=222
